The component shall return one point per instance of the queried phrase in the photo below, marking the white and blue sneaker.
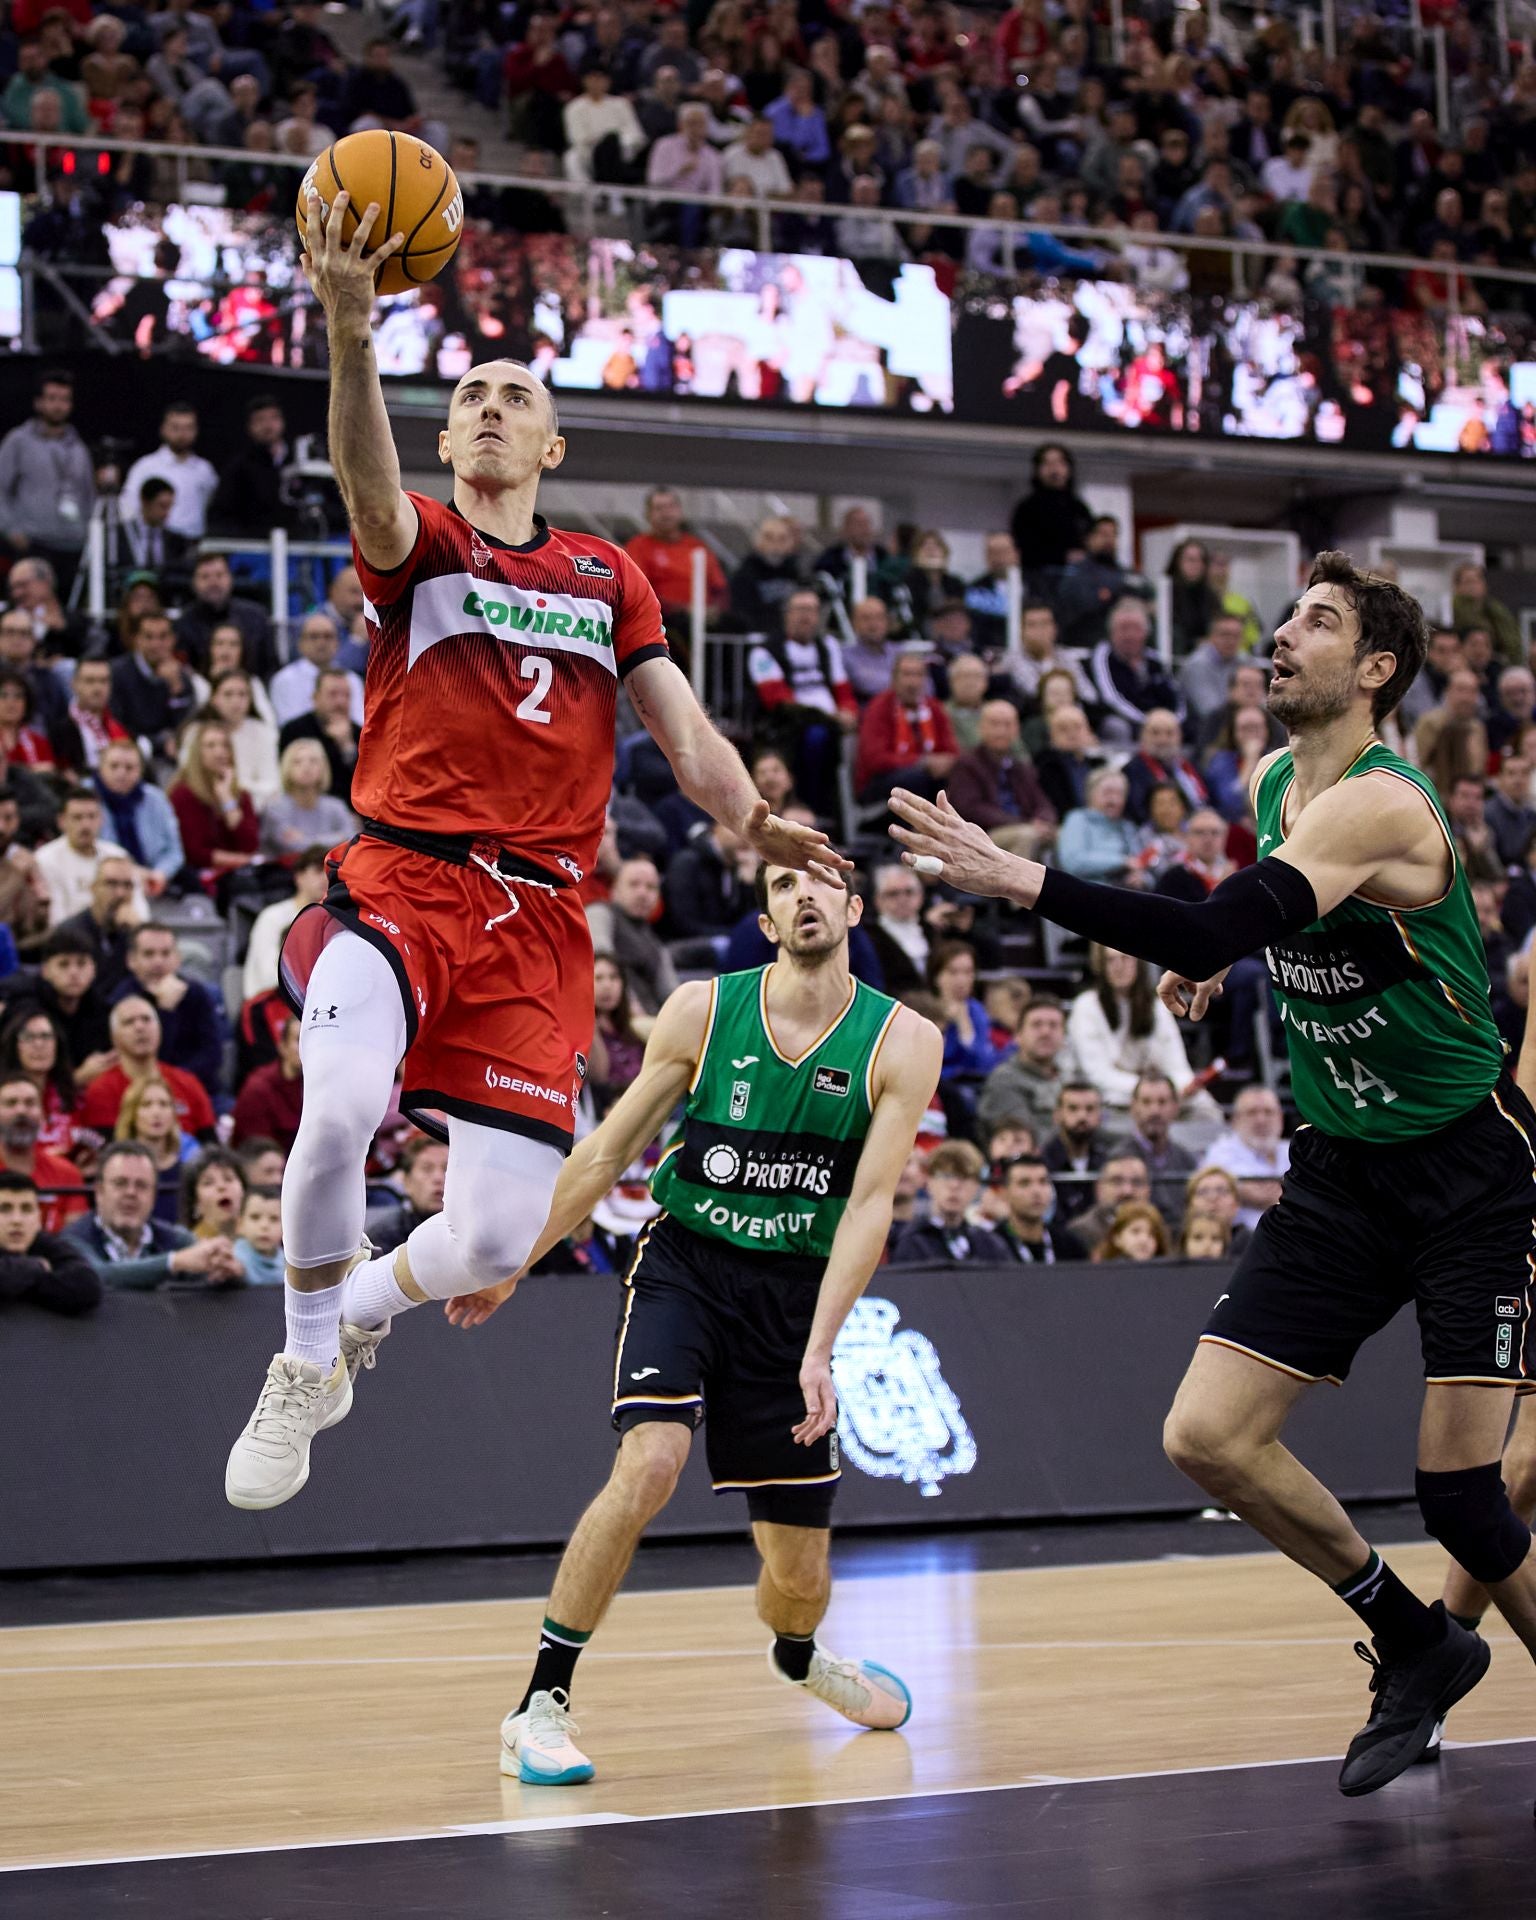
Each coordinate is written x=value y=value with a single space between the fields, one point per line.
x=536 y=1744
x=868 y=1695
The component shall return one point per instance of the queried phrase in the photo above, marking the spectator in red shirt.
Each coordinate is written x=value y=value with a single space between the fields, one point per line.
x=21 y=1121
x=664 y=554
x=24 y=744
x=136 y=1040
x=905 y=736
x=220 y=831
x=272 y=1098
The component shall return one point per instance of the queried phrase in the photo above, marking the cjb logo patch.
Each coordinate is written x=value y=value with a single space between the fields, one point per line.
x=836 y=1080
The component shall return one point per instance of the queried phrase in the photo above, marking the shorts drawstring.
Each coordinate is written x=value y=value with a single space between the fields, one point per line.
x=507 y=881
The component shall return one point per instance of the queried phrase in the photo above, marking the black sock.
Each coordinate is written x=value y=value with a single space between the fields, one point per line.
x=1471 y=1621
x=559 y=1649
x=1399 y=1621
x=792 y=1654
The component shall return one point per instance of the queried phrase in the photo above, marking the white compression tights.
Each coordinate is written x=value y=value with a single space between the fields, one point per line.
x=499 y=1184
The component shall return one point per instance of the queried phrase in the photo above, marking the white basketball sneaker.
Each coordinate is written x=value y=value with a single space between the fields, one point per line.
x=866 y=1694
x=269 y=1463
x=360 y=1346
x=536 y=1744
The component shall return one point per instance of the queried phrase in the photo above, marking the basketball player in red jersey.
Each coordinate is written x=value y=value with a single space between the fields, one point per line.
x=452 y=937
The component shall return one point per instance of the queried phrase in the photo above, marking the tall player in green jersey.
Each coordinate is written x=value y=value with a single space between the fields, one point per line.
x=1412 y=1177
x=804 y=1090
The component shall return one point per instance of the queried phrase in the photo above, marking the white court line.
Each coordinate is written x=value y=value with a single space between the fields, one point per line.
x=842 y=1577
x=1031 y=1783
x=754 y=1652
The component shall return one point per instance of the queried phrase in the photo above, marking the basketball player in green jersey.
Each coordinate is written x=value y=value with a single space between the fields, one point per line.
x=1412 y=1177
x=804 y=1090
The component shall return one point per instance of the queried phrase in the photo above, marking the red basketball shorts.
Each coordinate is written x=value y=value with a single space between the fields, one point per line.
x=498 y=1017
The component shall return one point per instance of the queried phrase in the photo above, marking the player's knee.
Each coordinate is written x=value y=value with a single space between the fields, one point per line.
x=801 y=1578
x=1520 y=1476
x=650 y=1460
x=1470 y=1514
x=1201 y=1447
x=492 y=1242
x=334 y=1133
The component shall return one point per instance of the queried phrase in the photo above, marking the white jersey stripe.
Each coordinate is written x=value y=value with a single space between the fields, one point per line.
x=452 y=604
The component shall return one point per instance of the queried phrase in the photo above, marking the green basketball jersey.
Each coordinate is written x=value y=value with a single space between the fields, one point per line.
x=769 y=1144
x=1385 y=1008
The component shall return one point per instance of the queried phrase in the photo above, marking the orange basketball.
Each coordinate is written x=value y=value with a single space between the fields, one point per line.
x=417 y=195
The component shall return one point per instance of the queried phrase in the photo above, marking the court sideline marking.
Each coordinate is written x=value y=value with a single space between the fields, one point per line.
x=551 y=1823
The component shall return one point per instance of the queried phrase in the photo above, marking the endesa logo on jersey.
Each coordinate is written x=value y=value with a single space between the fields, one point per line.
x=547 y=616
x=591 y=566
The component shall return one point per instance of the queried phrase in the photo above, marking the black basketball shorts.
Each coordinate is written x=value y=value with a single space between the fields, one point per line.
x=1445 y=1222
x=714 y=1334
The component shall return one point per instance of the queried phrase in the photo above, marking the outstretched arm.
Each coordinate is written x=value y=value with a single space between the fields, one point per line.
x=360 y=443
x=1355 y=833
x=671 y=1054
x=710 y=771
x=907 y=1071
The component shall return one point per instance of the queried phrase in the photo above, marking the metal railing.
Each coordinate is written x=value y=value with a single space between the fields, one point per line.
x=592 y=203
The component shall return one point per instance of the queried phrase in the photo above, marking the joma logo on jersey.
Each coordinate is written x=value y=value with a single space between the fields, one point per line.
x=836 y=1080
x=549 y=619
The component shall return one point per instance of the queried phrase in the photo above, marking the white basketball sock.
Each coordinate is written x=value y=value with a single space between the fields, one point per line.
x=371 y=1294
x=312 y=1320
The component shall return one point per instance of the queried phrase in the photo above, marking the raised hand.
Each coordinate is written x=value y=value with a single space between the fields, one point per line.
x=971 y=861
x=343 y=272
x=785 y=843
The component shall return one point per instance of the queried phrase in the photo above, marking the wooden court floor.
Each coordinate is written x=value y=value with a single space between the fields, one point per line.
x=193 y=1736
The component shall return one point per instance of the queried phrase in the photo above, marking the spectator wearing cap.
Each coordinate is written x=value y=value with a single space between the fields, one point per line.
x=135 y=1029
x=192 y=478
x=48 y=480
x=191 y=1017
x=664 y=554
x=139 y=817
x=995 y=786
x=40 y=1268
x=21 y=1122
x=948 y=1237
x=272 y=1099
x=905 y=737
x=214 y=604
x=156 y=550
x=128 y=1247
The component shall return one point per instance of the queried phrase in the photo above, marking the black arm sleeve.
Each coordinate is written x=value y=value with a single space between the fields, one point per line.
x=1248 y=910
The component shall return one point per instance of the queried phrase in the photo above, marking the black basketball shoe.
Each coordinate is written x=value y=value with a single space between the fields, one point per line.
x=1412 y=1697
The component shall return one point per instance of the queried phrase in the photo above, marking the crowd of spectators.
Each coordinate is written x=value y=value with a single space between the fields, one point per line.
x=171 y=768
x=1202 y=127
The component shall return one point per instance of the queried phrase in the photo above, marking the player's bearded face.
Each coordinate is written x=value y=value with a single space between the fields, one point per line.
x=811 y=920
x=1306 y=695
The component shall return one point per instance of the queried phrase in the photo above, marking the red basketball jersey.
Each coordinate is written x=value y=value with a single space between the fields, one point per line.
x=493 y=676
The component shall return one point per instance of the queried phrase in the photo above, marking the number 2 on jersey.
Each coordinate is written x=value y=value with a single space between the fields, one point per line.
x=1364 y=1080
x=541 y=672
